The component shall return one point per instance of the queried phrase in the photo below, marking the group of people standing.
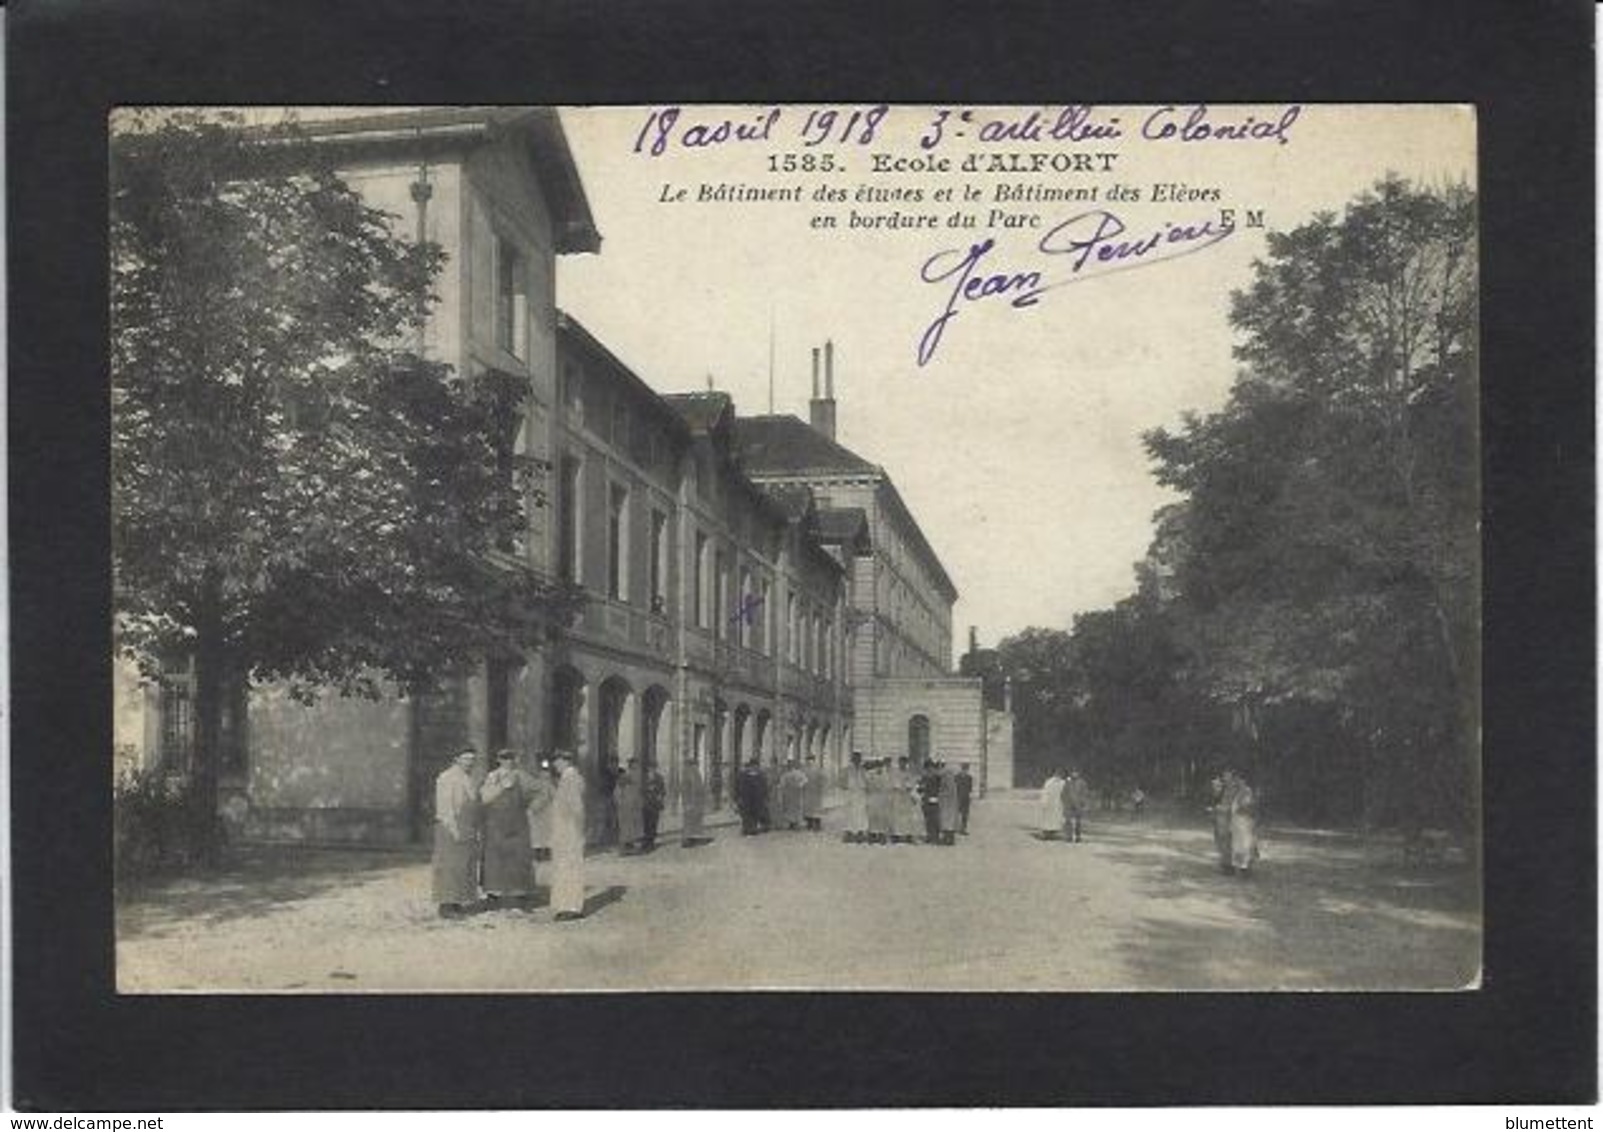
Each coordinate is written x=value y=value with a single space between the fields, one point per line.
x=1235 y=823
x=638 y=798
x=486 y=831
x=889 y=803
x=791 y=798
x=1065 y=797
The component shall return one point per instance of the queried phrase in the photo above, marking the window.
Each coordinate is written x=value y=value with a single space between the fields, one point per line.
x=721 y=597
x=618 y=542
x=701 y=580
x=620 y=425
x=177 y=722
x=510 y=295
x=568 y=519
x=765 y=619
x=573 y=394
x=790 y=628
x=659 y=562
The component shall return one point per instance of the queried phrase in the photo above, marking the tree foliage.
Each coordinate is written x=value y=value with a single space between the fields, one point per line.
x=1316 y=586
x=298 y=495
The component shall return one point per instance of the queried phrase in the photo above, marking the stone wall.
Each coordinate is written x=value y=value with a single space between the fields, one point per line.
x=998 y=752
x=332 y=770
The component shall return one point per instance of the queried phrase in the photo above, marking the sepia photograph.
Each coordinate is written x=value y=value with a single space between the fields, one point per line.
x=796 y=547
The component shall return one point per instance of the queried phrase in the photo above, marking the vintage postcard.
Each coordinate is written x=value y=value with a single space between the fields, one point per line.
x=796 y=547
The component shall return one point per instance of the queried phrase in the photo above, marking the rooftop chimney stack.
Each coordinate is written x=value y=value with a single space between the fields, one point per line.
x=823 y=408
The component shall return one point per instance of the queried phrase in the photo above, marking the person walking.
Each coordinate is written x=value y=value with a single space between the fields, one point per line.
x=654 y=796
x=692 y=805
x=1220 y=809
x=792 y=788
x=813 y=795
x=567 y=840
x=948 y=801
x=456 y=836
x=965 y=796
x=854 y=784
x=508 y=853
x=630 y=798
x=1076 y=801
x=1051 y=819
x=1242 y=807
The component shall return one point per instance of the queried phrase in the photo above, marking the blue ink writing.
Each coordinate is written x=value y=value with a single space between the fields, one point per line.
x=822 y=125
x=1071 y=124
x=970 y=287
x=661 y=130
x=1089 y=244
x=747 y=610
x=1161 y=125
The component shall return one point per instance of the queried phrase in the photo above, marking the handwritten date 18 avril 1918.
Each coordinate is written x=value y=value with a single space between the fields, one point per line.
x=670 y=127
x=1090 y=244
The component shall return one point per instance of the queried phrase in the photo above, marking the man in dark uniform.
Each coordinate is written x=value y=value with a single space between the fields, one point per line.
x=929 y=796
x=654 y=795
x=751 y=797
x=965 y=794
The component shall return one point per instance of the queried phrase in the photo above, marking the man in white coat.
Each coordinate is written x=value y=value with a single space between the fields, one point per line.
x=456 y=836
x=567 y=840
x=1051 y=819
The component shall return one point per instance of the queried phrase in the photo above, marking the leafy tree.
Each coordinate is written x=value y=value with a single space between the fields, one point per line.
x=1330 y=514
x=298 y=495
x=1040 y=662
x=1309 y=607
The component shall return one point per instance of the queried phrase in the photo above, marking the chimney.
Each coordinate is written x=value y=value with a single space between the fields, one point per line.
x=823 y=408
x=973 y=640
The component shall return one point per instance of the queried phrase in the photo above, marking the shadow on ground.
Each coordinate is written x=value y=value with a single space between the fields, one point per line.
x=251 y=882
x=1322 y=910
x=596 y=901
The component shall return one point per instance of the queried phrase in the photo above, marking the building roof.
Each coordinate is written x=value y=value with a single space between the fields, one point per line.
x=701 y=411
x=571 y=331
x=426 y=129
x=785 y=445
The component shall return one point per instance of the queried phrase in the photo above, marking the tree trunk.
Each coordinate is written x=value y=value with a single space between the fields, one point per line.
x=210 y=665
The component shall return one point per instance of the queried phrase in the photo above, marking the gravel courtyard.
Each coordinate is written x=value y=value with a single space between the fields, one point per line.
x=1136 y=906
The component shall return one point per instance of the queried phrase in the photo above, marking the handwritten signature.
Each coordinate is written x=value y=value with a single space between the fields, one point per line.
x=1091 y=244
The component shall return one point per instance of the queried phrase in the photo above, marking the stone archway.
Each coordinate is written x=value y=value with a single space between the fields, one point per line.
x=918 y=739
x=617 y=741
x=568 y=722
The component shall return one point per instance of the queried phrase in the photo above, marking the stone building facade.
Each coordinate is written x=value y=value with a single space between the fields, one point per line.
x=715 y=619
x=906 y=698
